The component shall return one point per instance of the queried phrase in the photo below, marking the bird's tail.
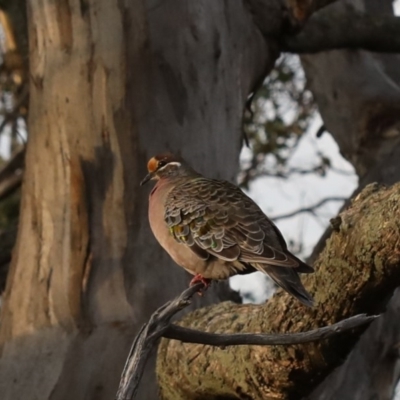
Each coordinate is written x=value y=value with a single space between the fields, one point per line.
x=288 y=279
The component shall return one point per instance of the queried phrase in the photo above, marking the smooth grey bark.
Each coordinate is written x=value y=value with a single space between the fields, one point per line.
x=346 y=28
x=358 y=95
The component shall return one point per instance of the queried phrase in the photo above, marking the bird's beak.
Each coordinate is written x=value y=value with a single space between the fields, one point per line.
x=148 y=177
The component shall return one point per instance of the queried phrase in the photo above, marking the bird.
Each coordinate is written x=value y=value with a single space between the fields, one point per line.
x=213 y=230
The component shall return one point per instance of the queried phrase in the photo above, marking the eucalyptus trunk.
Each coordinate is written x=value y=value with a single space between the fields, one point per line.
x=112 y=83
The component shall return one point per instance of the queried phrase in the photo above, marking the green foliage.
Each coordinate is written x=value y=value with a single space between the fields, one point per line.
x=282 y=110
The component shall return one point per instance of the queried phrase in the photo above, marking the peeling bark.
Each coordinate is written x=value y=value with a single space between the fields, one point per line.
x=358 y=269
x=112 y=83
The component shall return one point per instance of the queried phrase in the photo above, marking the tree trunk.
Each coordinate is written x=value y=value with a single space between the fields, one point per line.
x=372 y=369
x=112 y=83
x=354 y=274
x=358 y=95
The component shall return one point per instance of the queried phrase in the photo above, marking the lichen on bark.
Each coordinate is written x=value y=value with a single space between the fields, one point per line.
x=358 y=269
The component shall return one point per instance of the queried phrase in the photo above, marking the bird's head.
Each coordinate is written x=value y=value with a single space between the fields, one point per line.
x=165 y=166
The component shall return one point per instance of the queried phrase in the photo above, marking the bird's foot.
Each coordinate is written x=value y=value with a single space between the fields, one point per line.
x=197 y=279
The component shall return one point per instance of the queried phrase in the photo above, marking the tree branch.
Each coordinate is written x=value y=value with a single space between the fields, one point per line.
x=147 y=338
x=250 y=174
x=300 y=10
x=354 y=274
x=375 y=358
x=309 y=209
x=338 y=28
x=10 y=116
x=188 y=335
x=11 y=174
x=159 y=325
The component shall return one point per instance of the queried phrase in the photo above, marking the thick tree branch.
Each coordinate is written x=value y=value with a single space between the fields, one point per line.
x=273 y=17
x=372 y=369
x=346 y=28
x=159 y=325
x=355 y=273
x=301 y=9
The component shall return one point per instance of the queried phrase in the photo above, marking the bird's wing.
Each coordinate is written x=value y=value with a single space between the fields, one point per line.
x=216 y=218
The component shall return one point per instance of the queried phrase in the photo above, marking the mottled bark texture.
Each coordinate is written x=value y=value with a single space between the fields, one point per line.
x=112 y=83
x=357 y=270
x=372 y=370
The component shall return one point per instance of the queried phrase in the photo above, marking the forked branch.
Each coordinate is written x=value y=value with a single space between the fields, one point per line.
x=159 y=325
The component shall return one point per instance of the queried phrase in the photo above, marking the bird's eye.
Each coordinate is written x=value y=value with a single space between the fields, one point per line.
x=161 y=164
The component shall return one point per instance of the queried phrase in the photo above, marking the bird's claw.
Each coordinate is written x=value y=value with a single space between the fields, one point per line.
x=197 y=279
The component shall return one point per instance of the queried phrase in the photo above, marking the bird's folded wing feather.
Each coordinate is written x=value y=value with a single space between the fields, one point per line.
x=216 y=218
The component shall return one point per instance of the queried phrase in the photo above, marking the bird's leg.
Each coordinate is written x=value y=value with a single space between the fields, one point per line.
x=198 y=278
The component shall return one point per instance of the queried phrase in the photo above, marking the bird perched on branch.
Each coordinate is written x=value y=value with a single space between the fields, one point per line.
x=214 y=231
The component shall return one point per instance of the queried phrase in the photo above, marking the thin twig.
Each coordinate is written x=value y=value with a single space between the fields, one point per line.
x=159 y=325
x=14 y=113
x=11 y=174
x=13 y=164
x=9 y=185
x=250 y=173
x=309 y=209
x=285 y=174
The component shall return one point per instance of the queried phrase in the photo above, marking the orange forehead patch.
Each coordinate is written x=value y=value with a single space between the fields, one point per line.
x=152 y=164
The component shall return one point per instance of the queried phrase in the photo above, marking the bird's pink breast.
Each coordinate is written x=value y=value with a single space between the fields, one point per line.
x=180 y=253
